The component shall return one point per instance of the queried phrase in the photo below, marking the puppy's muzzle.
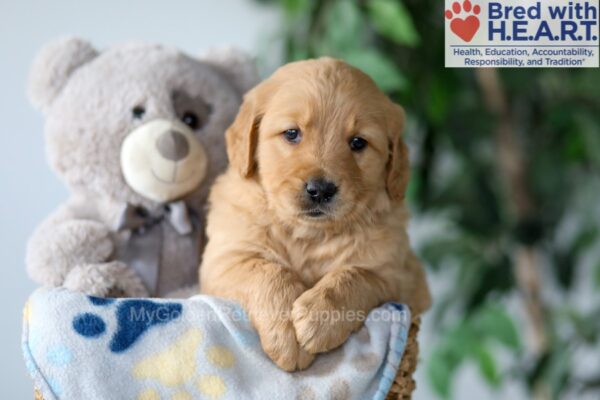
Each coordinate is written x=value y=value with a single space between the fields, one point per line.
x=320 y=191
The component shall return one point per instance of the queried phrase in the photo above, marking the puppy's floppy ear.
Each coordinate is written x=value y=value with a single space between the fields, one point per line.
x=54 y=66
x=242 y=136
x=398 y=168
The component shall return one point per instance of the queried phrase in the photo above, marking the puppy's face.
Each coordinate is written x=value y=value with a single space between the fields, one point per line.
x=323 y=142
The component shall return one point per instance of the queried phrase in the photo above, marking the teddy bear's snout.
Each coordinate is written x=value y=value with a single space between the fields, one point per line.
x=163 y=160
x=173 y=146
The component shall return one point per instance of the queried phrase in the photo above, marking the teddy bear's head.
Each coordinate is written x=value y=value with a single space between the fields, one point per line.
x=140 y=123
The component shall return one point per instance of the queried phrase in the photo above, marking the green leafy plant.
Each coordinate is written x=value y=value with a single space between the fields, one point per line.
x=507 y=163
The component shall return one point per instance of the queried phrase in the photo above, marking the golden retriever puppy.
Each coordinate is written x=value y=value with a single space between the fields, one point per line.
x=307 y=227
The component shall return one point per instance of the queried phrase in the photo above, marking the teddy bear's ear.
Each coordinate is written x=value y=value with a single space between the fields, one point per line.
x=237 y=66
x=54 y=65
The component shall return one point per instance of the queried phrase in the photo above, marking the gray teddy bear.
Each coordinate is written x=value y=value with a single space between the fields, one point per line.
x=137 y=134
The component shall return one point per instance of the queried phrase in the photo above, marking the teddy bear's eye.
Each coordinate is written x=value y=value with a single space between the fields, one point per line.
x=190 y=119
x=138 y=112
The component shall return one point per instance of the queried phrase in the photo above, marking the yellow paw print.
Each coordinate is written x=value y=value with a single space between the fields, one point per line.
x=212 y=386
x=176 y=366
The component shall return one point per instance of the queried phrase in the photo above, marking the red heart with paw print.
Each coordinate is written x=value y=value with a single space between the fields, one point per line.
x=465 y=28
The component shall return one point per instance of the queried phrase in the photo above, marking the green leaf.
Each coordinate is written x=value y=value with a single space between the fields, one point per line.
x=585 y=239
x=440 y=96
x=597 y=276
x=447 y=357
x=495 y=323
x=486 y=363
x=565 y=261
x=460 y=339
x=392 y=20
x=294 y=7
x=440 y=371
x=414 y=185
x=378 y=67
x=576 y=147
x=586 y=326
x=343 y=28
x=559 y=368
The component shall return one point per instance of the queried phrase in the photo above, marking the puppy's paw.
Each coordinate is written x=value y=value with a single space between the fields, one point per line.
x=319 y=325
x=280 y=344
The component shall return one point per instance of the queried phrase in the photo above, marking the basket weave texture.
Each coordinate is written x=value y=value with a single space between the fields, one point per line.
x=404 y=384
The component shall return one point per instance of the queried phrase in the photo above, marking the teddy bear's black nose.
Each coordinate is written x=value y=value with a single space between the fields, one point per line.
x=173 y=146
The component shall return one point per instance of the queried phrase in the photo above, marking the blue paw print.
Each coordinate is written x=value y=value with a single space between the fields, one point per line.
x=100 y=301
x=134 y=317
x=89 y=325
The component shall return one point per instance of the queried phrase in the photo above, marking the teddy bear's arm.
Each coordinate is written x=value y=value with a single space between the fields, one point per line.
x=64 y=241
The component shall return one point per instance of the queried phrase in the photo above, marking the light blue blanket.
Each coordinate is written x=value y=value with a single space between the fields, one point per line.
x=79 y=347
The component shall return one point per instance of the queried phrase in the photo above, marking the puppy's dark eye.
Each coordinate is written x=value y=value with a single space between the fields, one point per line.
x=138 y=112
x=292 y=135
x=357 y=143
x=191 y=119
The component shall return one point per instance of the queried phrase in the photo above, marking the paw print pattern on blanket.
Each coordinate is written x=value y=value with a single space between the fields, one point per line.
x=89 y=325
x=134 y=317
x=339 y=390
x=190 y=349
x=177 y=365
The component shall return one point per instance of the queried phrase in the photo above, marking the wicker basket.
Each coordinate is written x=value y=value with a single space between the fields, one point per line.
x=404 y=384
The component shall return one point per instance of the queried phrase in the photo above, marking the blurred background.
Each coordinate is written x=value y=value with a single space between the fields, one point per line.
x=504 y=192
x=505 y=195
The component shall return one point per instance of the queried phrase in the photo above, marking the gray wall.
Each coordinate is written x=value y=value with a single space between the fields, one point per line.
x=29 y=191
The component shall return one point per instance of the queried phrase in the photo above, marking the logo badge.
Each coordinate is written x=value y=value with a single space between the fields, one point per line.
x=521 y=33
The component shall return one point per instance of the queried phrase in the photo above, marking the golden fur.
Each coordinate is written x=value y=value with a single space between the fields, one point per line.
x=284 y=266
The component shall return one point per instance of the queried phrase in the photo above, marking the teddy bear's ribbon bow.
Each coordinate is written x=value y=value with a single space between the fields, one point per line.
x=140 y=220
x=143 y=238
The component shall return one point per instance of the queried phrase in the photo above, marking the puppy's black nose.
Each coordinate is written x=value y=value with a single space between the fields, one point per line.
x=320 y=190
